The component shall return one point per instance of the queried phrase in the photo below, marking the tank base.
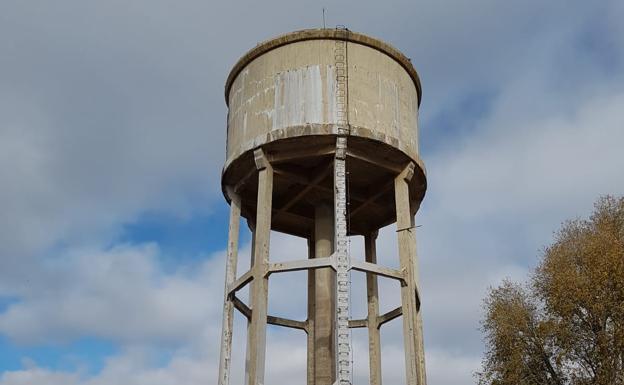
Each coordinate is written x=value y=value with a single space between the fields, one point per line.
x=303 y=176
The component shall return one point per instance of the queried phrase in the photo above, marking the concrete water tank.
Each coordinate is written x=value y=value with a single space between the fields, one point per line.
x=322 y=143
x=282 y=95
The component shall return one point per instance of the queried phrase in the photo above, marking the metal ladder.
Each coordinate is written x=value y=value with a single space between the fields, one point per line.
x=343 y=261
x=342 y=79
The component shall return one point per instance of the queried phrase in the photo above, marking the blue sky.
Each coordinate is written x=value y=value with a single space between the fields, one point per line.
x=112 y=138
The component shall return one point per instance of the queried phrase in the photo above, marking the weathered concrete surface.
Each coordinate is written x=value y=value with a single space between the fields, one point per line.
x=290 y=94
x=301 y=105
x=372 y=297
x=256 y=342
x=410 y=294
x=325 y=299
x=294 y=85
x=230 y=276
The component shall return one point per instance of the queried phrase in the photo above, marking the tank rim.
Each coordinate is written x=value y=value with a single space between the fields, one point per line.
x=322 y=34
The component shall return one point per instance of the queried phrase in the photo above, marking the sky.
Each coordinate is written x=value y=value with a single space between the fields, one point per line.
x=112 y=139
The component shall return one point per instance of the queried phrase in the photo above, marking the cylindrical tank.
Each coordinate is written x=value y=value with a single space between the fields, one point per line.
x=282 y=95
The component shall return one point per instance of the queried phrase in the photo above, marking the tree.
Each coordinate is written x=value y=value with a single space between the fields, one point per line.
x=566 y=325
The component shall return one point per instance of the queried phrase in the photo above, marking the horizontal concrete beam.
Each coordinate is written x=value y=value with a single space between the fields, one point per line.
x=373 y=268
x=304 y=264
x=289 y=323
x=358 y=323
x=241 y=307
x=389 y=316
x=311 y=152
x=240 y=282
x=279 y=321
x=357 y=154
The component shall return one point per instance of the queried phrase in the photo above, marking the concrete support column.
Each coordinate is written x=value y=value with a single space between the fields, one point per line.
x=324 y=298
x=256 y=348
x=372 y=293
x=311 y=314
x=412 y=331
x=230 y=276
x=252 y=228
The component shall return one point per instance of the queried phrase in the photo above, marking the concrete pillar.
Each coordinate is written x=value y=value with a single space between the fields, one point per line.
x=324 y=298
x=252 y=228
x=230 y=277
x=412 y=331
x=256 y=348
x=372 y=294
x=311 y=314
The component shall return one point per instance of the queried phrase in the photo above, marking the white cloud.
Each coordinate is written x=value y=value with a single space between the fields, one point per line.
x=37 y=376
x=120 y=294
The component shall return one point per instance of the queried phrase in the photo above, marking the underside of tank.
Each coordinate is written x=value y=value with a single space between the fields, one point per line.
x=303 y=177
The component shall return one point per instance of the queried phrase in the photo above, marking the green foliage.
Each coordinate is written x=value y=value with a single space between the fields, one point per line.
x=566 y=325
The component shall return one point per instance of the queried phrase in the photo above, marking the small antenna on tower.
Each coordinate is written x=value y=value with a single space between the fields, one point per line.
x=323 y=17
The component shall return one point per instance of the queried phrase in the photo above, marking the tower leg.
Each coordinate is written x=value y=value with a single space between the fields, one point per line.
x=311 y=316
x=256 y=347
x=252 y=227
x=412 y=332
x=230 y=276
x=325 y=298
x=374 y=338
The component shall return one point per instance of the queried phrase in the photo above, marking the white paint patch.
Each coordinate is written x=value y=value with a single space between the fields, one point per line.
x=379 y=104
x=330 y=96
x=298 y=97
x=245 y=124
x=397 y=112
x=414 y=129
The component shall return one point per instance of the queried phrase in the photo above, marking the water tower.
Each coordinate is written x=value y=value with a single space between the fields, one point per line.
x=322 y=143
